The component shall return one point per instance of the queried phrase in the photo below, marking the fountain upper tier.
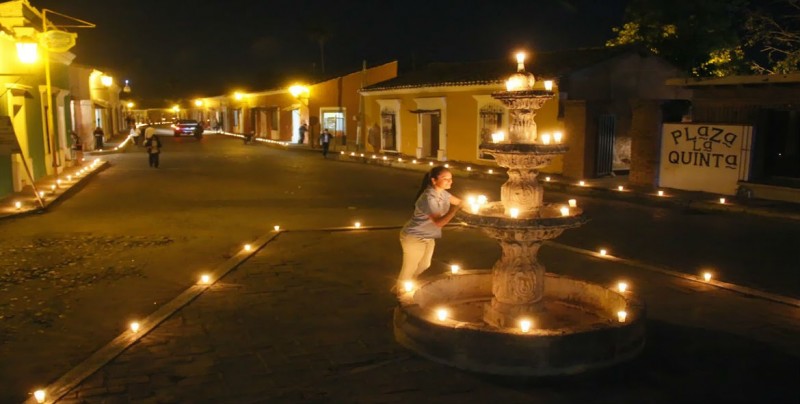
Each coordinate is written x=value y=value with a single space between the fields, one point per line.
x=547 y=217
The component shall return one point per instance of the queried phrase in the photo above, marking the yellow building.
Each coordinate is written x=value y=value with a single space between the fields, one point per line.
x=277 y=114
x=445 y=110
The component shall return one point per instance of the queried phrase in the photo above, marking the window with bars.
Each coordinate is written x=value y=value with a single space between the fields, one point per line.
x=389 y=131
x=491 y=121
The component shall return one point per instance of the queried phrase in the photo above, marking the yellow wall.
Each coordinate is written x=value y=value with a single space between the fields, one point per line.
x=461 y=119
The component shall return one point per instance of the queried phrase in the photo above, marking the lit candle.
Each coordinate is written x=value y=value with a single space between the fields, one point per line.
x=471 y=199
x=491 y=171
x=414 y=161
x=447 y=166
x=545 y=138
x=707 y=276
x=455 y=268
x=135 y=326
x=547 y=179
x=498 y=137
x=39 y=395
x=722 y=200
x=442 y=314
x=248 y=247
x=603 y=251
x=69 y=178
x=564 y=211
x=353 y=153
x=400 y=159
x=408 y=286
x=58 y=182
x=469 y=168
x=557 y=136
x=18 y=205
x=525 y=325
x=357 y=225
x=660 y=193
x=622 y=286
x=582 y=183
x=341 y=152
x=573 y=203
x=97 y=161
x=482 y=199
x=475 y=207
x=41 y=194
x=374 y=156
x=276 y=227
x=620 y=188
x=362 y=154
x=205 y=279
x=53 y=187
x=430 y=163
x=513 y=212
x=622 y=315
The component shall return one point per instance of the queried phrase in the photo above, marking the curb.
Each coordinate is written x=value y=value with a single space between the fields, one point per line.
x=60 y=197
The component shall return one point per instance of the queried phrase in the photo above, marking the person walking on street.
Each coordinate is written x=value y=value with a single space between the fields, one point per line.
x=325 y=141
x=77 y=148
x=153 y=150
x=433 y=209
x=98 y=138
x=374 y=137
x=301 y=132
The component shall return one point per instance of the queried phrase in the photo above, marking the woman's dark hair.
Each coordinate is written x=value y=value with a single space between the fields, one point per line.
x=435 y=172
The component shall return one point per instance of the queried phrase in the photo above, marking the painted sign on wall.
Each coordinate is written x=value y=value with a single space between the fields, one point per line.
x=705 y=157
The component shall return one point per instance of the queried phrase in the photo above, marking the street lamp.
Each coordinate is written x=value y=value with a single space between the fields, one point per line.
x=300 y=92
x=27 y=50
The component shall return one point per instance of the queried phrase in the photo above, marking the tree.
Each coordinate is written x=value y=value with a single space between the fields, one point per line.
x=775 y=31
x=700 y=36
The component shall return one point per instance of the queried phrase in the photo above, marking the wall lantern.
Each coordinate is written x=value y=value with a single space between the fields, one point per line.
x=27 y=50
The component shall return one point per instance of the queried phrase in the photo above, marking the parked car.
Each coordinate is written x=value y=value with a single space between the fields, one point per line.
x=185 y=127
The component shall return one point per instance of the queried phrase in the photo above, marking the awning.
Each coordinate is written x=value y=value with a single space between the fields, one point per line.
x=426 y=111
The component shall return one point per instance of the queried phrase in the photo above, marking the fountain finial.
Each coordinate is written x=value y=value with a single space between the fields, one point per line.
x=520 y=62
x=521 y=80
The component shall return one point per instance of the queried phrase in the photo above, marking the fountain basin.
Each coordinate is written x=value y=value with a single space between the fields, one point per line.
x=577 y=329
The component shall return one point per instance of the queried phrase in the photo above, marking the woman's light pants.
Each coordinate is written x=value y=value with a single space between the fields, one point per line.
x=417 y=254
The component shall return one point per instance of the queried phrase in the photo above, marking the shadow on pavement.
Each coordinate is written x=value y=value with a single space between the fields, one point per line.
x=682 y=364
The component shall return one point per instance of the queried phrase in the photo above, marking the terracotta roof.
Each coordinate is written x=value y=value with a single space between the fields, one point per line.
x=544 y=65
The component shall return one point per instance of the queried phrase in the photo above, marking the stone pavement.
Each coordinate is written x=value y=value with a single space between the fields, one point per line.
x=308 y=319
x=606 y=187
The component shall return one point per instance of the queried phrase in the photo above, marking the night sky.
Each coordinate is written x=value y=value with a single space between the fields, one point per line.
x=174 y=49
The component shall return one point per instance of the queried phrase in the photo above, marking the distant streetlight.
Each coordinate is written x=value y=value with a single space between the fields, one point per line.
x=300 y=92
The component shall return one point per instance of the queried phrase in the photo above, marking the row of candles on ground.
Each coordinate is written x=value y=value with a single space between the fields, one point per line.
x=59 y=182
x=135 y=326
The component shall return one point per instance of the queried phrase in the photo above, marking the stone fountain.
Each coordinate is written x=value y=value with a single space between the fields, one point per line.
x=516 y=319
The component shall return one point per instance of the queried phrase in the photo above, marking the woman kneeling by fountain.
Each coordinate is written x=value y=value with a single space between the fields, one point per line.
x=434 y=208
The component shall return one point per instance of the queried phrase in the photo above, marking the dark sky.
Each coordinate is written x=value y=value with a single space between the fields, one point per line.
x=173 y=49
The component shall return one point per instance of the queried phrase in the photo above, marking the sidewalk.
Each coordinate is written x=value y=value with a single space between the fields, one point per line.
x=55 y=188
x=607 y=187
